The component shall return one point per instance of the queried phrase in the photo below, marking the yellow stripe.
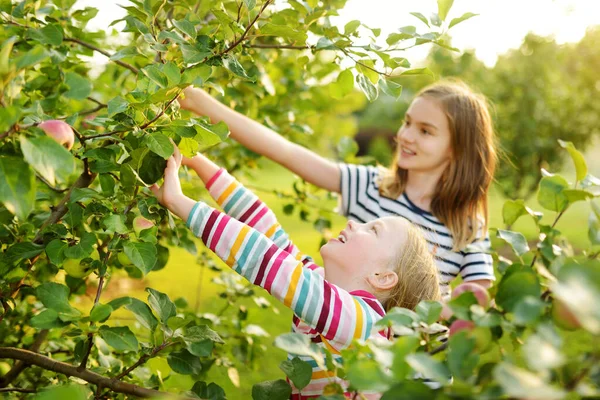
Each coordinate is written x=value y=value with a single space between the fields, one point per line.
x=329 y=347
x=238 y=243
x=289 y=296
x=322 y=374
x=226 y=193
x=272 y=230
x=359 y=320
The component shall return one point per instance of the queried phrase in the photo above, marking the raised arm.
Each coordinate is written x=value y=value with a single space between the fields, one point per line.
x=307 y=164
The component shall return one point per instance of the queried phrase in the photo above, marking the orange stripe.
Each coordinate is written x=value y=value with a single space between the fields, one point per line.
x=322 y=374
x=226 y=193
x=238 y=243
x=359 y=320
x=289 y=296
x=329 y=347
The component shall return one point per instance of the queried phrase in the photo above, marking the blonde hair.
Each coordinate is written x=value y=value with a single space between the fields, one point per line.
x=460 y=200
x=417 y=273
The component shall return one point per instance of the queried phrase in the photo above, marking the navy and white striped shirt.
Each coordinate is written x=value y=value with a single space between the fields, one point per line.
x=362 y=202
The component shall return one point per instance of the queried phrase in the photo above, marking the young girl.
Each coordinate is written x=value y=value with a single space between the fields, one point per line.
x=369 y=268
x=439 y=179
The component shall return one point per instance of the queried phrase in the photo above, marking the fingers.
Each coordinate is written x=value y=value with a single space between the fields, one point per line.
x=155 y=189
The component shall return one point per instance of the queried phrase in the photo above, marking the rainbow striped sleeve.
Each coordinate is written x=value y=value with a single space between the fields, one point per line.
x=332 y=311
x=242 y=204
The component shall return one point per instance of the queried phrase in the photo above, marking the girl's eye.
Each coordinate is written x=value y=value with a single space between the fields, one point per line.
x=425 y=132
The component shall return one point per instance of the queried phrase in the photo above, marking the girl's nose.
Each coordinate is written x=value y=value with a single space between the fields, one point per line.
x=405 y=134
x=351 y=225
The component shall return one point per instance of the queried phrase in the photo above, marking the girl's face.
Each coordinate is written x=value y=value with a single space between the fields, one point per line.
x=424 y=139
x=361 y=250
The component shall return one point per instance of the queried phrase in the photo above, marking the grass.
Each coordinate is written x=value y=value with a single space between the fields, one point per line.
x=182 y=277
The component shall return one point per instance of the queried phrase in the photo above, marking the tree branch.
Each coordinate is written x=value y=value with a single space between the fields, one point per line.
x=19 y=390
x=243 y=37
x=103 y=52
x=278 y=46
x=19 y=366
x=143 y=359
x=71 y=370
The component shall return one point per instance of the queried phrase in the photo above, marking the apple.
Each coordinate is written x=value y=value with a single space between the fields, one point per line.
x=140 y=223
x=4 y=368
x=563 y=317
x=461 y=325
x=481 y=293
x=60 y=131
x=80 y=267
x=124 y=260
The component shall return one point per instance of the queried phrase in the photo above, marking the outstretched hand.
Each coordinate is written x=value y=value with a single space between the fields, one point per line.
x=170 y=194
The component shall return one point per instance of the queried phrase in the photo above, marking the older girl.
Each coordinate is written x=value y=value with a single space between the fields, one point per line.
x=439 y=179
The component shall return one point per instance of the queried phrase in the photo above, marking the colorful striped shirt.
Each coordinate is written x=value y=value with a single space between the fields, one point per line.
x=361 y=201
x=251 y=241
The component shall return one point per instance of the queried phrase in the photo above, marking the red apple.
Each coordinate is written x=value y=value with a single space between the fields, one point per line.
x=60 y=131
x=461 y=325
x=481 y=293
x=563 y=317
x=140 y=223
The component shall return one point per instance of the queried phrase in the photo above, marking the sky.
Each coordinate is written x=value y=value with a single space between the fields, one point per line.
x=500 y=25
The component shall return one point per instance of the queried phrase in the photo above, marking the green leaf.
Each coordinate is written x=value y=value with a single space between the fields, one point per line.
x=79 y=87
x=142 y=255
x=366 y=375
x=55 y=251
x=520 y=383
x=443 y=8
x=351 y=27
x=159 y=144
x=515 y=287
x=194 y=54
x=343 y=85
x=429 y=311
x=100 y=312
x=514 y=209
x=429 y=367
x=271 y=390
x=183 y=362
x=550 y=193
x=418 y=71
x=233 y=65
x=71 y=392
x=50 y=34
x=250 y=4
x=283 y=31
x=299 y=372
x=48 y=158
x=22 y=250
x=119 y=338
x=117 y=105
x=390 y=88
x=47 y=319
x=200 y=333
x=142 y=313
x=197 y=74
x=151 y=168
x=156 y=75
x=171 y=70
x=300 y=345
x=186 y=27
x=32 y=57
x=462 y=18
x=82 y=249
x=421 y=17
x=581 y=169
x=462 y=357
x=516 y=240
x=367 y=87
x=5 y=54
x=528 y=310
x=161 y=304
x=17 y=186
x=115 y=223
x=56 y=297
x=212 y=391
x=346 y=148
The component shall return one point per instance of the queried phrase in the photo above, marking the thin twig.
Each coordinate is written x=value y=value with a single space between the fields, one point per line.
x=18 y=390
x=243 y=37
x=103 y=52
x=439 y=349
x=278 y=46
x=45 y=182
x=143 y=359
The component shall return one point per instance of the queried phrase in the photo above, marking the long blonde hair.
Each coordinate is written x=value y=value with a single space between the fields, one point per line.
x=460 y=200
x=417 y=273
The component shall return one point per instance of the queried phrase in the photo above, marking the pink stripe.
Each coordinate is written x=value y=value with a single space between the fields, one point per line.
x=250 y=211
x=274 y=270
x=335 y=317
x=214 y=178
x=263 y=265
x=258 y=216
x=218 y=232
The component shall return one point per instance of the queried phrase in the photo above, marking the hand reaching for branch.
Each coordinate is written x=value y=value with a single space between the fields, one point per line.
x=170 y=194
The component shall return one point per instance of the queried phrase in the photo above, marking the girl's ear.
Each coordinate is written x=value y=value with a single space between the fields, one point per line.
x=382 y=281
